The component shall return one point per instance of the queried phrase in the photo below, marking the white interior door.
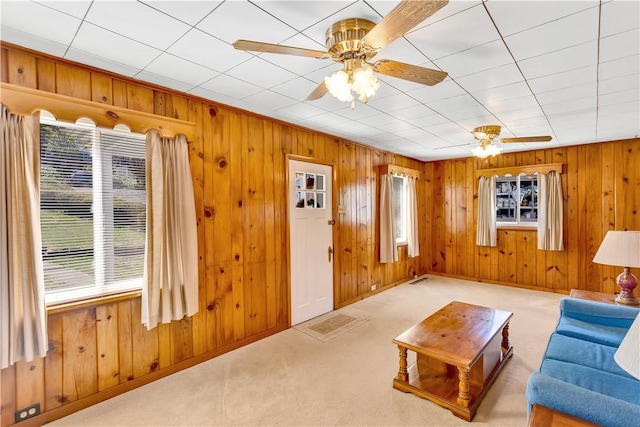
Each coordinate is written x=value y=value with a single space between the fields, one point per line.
x=310 y=240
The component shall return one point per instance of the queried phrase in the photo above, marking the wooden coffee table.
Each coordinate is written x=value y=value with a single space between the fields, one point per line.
x=460 y=350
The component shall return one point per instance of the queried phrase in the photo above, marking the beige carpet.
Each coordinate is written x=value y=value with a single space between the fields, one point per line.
x=294 y=379
x=329 y=326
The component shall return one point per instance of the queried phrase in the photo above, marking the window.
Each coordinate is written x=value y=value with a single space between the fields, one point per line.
x=400 y=207
x=517 y=200
x=93 y=210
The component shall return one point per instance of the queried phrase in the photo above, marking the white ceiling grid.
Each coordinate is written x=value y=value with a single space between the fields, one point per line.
x=569 y=69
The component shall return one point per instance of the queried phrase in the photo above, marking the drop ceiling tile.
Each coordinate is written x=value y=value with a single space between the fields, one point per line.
x=567 y=59
x=164 y=81
x=380 y=120
x=533 y=121
x=319 y=75
x=568 y=94
x=451 y=104
x=208 y=51
x=231 y=87
x=114 y=47
x=187 y=11
x=137 y=21
x=261 y=73
x=301 y=110
x=500 y=94
x=396 y=126
x=618 y=109
x=359 y=112
x=269 y=100
x=392 y=103
x=301 y=18
x=620 y=45
x=570 y=106
x=476 y=59
x=553 y=82
x=515 y=16
x=400 y=84
x=328 y=119
x=33 y=42
x=298 y=88
x=178 y=69
x=220 y=98
x=413 y=113
x=474 y=111
x=448 y=36
x=427 y=121
x=573 y=30
x=619 y=97
x=619 y=16
x=447 y=89
x=401 y=50
x=619 y=67
x=521 y=114
x=39 y=21
x=413 y=133
x=494 y=77
x=256 y=24
x=101 y=62
x=77 y=8
x=524 y=102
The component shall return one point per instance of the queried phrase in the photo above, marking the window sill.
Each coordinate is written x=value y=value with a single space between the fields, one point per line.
x=523 y=227
x=92 y=302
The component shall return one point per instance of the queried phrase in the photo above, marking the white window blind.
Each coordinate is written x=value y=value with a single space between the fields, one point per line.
x=400 y=207
x=93 y=210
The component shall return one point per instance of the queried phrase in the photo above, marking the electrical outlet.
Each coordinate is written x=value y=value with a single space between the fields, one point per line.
x=373 y=287
x=28 y=412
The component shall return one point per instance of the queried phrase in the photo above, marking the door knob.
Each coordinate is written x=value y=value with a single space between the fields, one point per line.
x=330 y=252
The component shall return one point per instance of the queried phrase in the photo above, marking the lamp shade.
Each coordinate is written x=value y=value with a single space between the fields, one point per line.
x=628 y=354
x=621 y=248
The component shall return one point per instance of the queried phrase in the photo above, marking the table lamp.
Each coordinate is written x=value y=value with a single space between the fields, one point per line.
x=628 y=354
x=622 y=248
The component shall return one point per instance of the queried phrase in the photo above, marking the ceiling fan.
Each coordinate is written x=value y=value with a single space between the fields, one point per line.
x=353 y=42
x=486 y=134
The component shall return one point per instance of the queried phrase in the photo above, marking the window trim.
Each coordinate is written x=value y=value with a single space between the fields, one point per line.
x=77 y=296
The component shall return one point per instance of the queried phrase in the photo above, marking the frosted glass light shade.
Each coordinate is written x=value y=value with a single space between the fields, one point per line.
x=621 y=248
x=628 y=354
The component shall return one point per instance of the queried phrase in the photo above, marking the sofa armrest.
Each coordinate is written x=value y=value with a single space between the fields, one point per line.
x=580 y=402
x=598 y=312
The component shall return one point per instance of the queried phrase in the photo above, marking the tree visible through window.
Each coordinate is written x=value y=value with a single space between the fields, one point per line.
x=93 y=210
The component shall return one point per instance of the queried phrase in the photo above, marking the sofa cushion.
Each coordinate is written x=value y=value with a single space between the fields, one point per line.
x=580 y=402
x=581 y=352
x=598 y=333
x=616 y=386
x=600 y=313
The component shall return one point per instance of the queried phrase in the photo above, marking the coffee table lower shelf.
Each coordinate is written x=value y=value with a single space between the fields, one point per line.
x=441 y=386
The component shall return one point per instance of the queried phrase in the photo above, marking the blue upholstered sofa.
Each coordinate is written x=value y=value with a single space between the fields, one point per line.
x=578 y=374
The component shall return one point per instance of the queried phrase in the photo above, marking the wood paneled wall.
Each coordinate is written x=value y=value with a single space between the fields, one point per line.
x=601 y=187
x=238 y=162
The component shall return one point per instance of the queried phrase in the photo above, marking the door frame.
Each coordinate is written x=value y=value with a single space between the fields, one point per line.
x=299 y=158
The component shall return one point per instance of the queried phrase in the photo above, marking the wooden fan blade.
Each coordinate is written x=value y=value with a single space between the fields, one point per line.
x=278 y=48
x=527 y=139
x=406 y=15
x=414 y=73
x=318 y=92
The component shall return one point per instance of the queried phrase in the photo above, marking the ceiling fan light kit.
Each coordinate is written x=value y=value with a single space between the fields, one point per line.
x=485 y=134
x=353 y=42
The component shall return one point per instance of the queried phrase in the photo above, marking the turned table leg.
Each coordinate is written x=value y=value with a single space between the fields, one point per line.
x=505 y=339
x=463 y=387
x=403 y=375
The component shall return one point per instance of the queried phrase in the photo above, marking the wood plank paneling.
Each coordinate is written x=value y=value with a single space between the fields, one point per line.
x=238 y=166
x=601 y=192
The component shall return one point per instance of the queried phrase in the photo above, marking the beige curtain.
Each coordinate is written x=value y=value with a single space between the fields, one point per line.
x=550 y=212
x=413 y=245
x=170 y=286
x=388 y=247
x=23 y=312
x=486 y=234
